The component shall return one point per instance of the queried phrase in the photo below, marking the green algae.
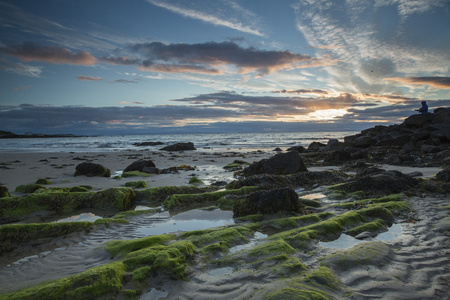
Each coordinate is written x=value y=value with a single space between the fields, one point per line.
x=13 y=235
x=28 y=188
x=170 y=260
x=202 y=238
x=297 y=294
x=309 y=202
x=78 y=189
x=322 y=277
x=131 y=213
x=43 y=181
x=136 y=184
x=370 y=253
x=115 y=248
x=135 y=174
x=121 y=198
x=269 y=249
x=156 y=195
x=94 y=283
x=378 y=225
x=292 y=222
x=140 y=274
x=188 y=200
x=196 y=181
x=4 y=191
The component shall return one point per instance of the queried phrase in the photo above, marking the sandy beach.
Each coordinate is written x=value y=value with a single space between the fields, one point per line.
x=412 y=263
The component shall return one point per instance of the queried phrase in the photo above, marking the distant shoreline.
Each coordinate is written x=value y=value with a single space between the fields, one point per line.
x=10 y=135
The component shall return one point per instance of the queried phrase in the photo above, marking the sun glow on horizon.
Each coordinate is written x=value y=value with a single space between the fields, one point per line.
x=327 y=114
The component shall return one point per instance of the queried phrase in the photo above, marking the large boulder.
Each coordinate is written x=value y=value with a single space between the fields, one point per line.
x=417 y=121
x=91 y=169
x=444 y=175
x=140 y=165
x=180 y=147
x=268 y=202
x=381 y=184
x=280 y=164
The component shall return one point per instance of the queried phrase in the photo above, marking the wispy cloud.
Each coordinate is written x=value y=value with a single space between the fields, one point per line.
x=20 y=69
x=436 y=82
x=124 y=81
x=51 y=54
x=235 y=16
x=303 y=91
x=89 y=78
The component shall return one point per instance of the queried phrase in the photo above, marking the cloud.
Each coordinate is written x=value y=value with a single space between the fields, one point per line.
x=20 y=69
x=89 y=78
x=29 y=51
x=375 y=40
x=303 y=91
x=124 y=81
x=133 y=102
x=437 y=82
x=205 y=58
x=233 y=15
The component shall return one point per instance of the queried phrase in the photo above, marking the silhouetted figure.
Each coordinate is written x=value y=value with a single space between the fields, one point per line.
x=424 y=108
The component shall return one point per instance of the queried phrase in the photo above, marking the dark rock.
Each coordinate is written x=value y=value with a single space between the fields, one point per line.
x=268 y=202
x=180 y=147
x=277 y=149
x=381 y=184
x=316 y=146
x=139 y=165
x=92 y=169
x=417 y=121
x=299 y=149
x=280 y=164
x=337 y=157
x=148 y=144
x=415 y=174
x=4 y=191
x=395 y=159
x=444 y=175
x=363 y=142
x=151 y=170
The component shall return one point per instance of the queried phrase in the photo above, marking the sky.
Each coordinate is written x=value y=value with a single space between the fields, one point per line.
x=163 y=66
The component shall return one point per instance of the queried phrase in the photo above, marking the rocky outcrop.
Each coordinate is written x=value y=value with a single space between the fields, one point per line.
x=146 y=166
x=267 y=202
x=280 y=164
x=180 y=147
x=91 y=170
x=148 y=144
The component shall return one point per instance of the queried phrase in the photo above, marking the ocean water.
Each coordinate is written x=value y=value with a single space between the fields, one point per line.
x=203 y=142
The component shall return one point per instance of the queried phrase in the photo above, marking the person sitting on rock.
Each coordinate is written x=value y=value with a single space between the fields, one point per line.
x=424 y=108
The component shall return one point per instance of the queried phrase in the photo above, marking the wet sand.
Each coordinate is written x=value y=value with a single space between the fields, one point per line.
x=416 y=267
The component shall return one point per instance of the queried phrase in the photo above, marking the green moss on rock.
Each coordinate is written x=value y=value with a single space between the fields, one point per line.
x=376 y=226
x=124 y=247
x=28 y=188
x=43 y=181
x=195 y=181
x=135 y=174
x=4 y=191
x=136 y=184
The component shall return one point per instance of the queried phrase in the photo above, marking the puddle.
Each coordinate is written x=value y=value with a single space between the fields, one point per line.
x=253 y=241
x=80 y=218
x=220 y=271
x=314 y=196
x=345 y=241
x=394 y=231
x=154 y=294
x=188 y=221
x=142 y=207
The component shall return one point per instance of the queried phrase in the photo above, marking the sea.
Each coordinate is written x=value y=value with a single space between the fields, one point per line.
x=215 y=142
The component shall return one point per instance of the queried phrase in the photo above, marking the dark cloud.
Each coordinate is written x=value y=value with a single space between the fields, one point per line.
x=124 y=81
x=29 y=51
x=206 y=57
x=437 y=82
x=302 y=91
x=89 y=78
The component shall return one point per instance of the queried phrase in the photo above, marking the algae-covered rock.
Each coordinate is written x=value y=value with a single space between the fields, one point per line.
x=180 y=147
x=102 y=282
x=140 y=165
x=268 y=202
x=136 y=184
x=191 y=200
x=156 y=195
x=91 y=170
x=280 y=164
x=370 y=253
x=43 y=181
x=78 y=189
x=4 y=191
x=28 y=188
x=135 y=174
x=195 y=181
x=14 y=235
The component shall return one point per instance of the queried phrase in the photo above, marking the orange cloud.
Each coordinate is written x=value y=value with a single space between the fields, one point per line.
x=89 y=78
x=437 y=82
x=50 y=54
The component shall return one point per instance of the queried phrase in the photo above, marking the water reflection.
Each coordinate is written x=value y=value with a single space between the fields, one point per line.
x=90 y=217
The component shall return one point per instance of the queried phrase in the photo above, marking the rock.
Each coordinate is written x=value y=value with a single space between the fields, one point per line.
x=415 y=174
x=139 y=165
x=4 y=191
x=316 y=146
x=268 y=202
x=382 y=184
x=365 y=234
x=363 y=142
x=92 y=169
x=338 y=157
x=444 y=175
x=277 y=149
x=148 y=144
x=280 y=164
x=299 y=149
x=394 y=159
x=180 y=147
x=417 y=121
